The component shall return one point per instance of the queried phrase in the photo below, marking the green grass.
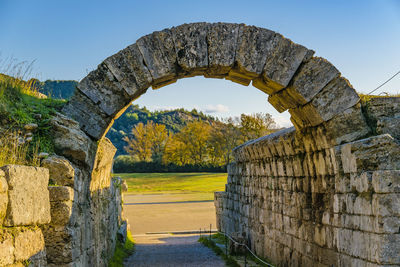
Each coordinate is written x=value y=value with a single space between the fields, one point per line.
x=19 y=105
x=122 y=251
x=195 y=186
x=229 y=261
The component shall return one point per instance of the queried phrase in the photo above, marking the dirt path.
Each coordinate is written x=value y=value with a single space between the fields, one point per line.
x=172 y=250
x=159 y=213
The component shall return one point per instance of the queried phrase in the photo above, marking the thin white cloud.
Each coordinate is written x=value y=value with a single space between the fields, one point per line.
x=282 y=121
x=219 y=108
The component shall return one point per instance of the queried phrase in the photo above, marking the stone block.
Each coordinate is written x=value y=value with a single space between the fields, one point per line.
x=282 y=62
x=91 y=118
x=101 y=174
x=61 y=193
x=6 y=248
x=384 y=248
x=386 y=204
x=310 y=79
x=389 y=125
x=253 y=47
x=69 y=140
x=222 y=43
x=347 y=126
x=390 y=225
x=362 y=183
x=28 y=243
x=386 y=181
x=336 y=97
x=61 y=212
x=191 y=46
x=60 y=169
x=28 y=196
x=3 y=196
x=159 y=55
x=372 y=153
x=129 y=69
x=104 y=90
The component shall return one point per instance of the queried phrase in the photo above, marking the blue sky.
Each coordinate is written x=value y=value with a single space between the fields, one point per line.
x=67 y=39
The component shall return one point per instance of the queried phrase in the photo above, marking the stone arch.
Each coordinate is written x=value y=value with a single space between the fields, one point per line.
x=311 y=88
x=292 y=192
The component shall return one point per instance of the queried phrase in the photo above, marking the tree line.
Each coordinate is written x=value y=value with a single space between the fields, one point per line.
x=198 y=146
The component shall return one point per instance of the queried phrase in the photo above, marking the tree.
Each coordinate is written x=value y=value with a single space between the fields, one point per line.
x=189 y=146
x=158 y=137
x=148 y=142
x=224 y=137
x=140 y=144
x=256 y=125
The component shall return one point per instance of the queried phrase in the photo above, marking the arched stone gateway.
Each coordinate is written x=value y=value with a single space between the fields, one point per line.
x=310 y=87
x=325 y=193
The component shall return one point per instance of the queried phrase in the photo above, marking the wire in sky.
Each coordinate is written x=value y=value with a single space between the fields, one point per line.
x=384 y=83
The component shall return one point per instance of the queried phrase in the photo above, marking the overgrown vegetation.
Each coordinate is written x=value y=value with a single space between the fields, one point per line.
x=12 y=152
x=122 y=251
x=21 y=104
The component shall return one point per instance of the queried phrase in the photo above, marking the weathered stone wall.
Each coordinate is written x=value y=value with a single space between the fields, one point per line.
x=86 y=204
x=24 y=204
x=300 y=202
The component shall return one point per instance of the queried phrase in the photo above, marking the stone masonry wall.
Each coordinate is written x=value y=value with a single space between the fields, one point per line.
x=72 y=222
x=86 y=204
x=300 y=203
x=24 y=204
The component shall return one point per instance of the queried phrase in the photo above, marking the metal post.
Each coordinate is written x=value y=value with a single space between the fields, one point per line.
x=245 y=257
x=210 y=231
x=226 y=245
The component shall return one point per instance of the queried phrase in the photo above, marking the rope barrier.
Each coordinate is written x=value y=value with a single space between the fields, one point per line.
x=255 y=256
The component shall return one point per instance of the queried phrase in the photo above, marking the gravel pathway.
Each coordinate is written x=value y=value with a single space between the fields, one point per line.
x=172 y=250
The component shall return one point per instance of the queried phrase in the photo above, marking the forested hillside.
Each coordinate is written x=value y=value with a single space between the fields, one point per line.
x=174 y=121
x=56 y=89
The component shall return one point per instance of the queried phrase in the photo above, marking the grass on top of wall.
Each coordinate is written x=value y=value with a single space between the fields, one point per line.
x=19 y=105
x=365 y=98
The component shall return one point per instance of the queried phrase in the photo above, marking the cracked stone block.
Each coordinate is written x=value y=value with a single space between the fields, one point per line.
x=129 y=69
x=347 y=126
x=158 y=51
x=104 y=90
x=91 y=118
x=191 y=46
x=222 y=43
x=253 y=47
x=334 y=98
x=28 y=196
x=60 y=169
x=282 y=62
x=70 y=141
x=309 y=80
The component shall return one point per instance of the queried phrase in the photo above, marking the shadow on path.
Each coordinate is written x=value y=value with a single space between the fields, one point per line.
x=171 y=250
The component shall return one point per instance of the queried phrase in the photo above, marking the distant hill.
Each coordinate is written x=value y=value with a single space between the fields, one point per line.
x=174 y=121
x=57 y=88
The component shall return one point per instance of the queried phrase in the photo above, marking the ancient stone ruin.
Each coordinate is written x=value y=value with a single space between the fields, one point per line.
x=323 y=193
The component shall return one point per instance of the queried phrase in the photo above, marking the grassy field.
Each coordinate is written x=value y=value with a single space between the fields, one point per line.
x=191 y=186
